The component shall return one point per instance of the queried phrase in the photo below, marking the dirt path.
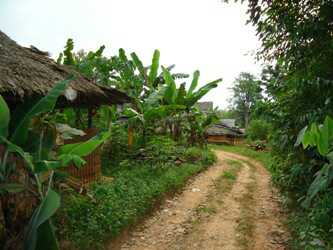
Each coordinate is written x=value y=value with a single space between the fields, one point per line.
x=229 y=206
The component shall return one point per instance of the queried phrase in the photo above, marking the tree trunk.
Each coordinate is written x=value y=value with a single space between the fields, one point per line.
x=246 y=118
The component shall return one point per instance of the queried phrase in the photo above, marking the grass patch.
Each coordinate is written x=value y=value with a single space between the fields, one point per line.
x=245 y=226
x=227 y=179
x=206 y=210
x=263 y=157
x=223 y=184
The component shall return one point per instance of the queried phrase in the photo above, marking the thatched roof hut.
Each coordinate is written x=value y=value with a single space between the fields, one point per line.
x=28 y=72
x=225 y=127
x=224 y=132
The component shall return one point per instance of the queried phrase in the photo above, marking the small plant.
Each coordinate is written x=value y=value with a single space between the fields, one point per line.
x=193 y=154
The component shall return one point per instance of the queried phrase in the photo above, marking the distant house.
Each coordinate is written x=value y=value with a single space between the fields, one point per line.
x=205 y=106
x=225 y=132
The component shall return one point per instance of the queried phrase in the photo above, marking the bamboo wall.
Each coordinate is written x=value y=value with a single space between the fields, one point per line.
x=225 y=139
x=91 y=171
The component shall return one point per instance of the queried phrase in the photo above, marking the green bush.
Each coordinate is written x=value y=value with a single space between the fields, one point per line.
x=161 y=150
x=115 y=150
x=193 y=154
x=258 y=130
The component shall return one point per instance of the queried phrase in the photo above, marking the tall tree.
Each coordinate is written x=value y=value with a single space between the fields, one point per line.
x=247 y=93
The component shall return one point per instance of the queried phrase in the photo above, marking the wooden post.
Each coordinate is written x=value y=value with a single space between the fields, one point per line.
x=130 y=137
x=90 y=117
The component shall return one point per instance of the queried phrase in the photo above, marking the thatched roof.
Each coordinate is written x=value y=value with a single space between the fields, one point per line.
x=222 y=129
x=231 y=123
x=205 y=106
x=28 y=72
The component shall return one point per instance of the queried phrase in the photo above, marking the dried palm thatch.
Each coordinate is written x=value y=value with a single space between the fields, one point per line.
x=29 y=72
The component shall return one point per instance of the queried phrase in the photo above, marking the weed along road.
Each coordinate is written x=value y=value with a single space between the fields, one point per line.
x=231 y=205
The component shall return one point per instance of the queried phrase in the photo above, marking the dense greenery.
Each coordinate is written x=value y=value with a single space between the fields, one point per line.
x=150 y=143
x=258 y=130
x=297 y=46
x=115 y=204
x=33 y=137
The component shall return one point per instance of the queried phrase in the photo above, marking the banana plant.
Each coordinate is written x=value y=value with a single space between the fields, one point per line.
x=180 y=96
x=40 y=232
x=169 y=94
x=319 y=137
x=199 y=122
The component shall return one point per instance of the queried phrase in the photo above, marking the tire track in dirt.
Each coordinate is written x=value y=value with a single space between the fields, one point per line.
x=269 y=229
x=219 y=230
x=171 y=227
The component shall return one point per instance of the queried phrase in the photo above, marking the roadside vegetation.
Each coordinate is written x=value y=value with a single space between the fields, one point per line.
x=136 y=187
x=291 y=101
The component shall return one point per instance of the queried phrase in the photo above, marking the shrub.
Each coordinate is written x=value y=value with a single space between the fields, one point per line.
x=258 y=130
x=193 y=154
x=115 y=150
x=161 y=150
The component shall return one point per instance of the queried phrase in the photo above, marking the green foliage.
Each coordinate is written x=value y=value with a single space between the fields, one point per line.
x=161 y=150
x=4 y=117
x=68 y=55
x=70 y=152
x=258 y=130
x=40 y=232
x=40 y=224
x=115 y=205
x=320 y=137
x=193 y=154
x=154 y=68
x=115 y=150
x=44 y=105
x=194 y=83
x=296 y=39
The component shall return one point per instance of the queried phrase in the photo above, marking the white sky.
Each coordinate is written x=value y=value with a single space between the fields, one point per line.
x=193 y=34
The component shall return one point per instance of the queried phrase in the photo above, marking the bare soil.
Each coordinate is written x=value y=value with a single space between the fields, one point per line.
x=213 y=212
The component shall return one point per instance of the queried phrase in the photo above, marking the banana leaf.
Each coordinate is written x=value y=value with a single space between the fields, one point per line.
x=12 y=148
x=40 y=233
x=171 y=90
x=4 y=117
x=137 y=62
x=194 y=83
x=191 y=99
x=154 y=68
x=162 y=111
x=181 y=93
x=82 y=149
x=45 y=104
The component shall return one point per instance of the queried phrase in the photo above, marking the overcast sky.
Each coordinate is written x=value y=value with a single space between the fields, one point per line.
x=193 y=34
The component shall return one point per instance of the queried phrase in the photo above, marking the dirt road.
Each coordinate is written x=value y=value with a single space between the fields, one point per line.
x=232 y=205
